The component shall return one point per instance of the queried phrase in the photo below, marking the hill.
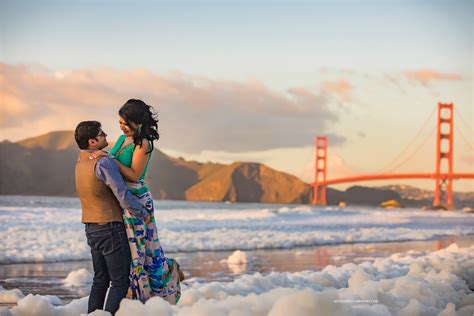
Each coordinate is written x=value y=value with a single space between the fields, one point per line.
x=249 y=182
x=44 y=165
x=59 y=140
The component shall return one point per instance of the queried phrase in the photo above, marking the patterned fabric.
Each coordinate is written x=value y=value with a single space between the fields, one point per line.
x=152 y=274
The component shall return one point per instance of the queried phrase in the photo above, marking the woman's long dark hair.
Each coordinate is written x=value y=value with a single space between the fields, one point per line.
x=143 y=115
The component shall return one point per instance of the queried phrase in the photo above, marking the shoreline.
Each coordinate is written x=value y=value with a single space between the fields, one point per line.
x=415 y=204
x=328 y=244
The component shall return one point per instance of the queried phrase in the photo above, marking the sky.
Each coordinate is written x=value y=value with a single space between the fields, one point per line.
x=250 y=80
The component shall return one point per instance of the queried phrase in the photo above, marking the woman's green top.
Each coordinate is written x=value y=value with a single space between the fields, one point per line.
x=124 y=155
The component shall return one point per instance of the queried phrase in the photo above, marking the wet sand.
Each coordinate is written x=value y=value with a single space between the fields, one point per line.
x=46 y=278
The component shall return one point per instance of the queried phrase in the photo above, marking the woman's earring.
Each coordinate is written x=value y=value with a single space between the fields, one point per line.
x=139 y=129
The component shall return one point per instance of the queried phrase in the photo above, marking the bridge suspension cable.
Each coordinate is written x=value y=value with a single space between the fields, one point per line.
x=460 y=130
x=389 y=167
x=428 y=136
x=463 y=120
x=464 y=138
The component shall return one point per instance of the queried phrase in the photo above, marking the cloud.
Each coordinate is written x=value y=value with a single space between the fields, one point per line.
x=12 y=107
x=196 y=113
x=424 y=76
x=394 y=81
x=341 y=88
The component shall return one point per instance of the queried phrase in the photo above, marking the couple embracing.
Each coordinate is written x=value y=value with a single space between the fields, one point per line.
x=118 y=213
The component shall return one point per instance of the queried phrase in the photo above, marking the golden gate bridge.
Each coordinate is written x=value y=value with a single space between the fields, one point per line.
x=443 y=174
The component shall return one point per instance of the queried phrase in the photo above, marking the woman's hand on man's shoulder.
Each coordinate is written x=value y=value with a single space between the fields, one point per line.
x=98 y=153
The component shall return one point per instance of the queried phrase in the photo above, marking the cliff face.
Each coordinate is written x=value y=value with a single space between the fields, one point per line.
x=249 y=182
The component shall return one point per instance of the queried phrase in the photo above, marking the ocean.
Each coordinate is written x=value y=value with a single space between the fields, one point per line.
x=44 y=252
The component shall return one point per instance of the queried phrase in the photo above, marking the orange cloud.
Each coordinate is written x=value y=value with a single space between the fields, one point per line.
x=196 y=113
x=426 y=75
x=340 y=88
x=11 y=107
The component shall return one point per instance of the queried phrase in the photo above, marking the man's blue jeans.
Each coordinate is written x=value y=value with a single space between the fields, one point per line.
x=111 y=261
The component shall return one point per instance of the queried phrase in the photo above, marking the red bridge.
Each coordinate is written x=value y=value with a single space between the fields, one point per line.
x=443 y=175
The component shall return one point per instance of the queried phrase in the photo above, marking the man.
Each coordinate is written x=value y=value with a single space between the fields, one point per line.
x=103 y=194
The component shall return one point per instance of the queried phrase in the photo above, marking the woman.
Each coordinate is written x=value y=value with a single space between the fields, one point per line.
x=151 y=273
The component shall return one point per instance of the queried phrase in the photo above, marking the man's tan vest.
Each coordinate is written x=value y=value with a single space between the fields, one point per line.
x=98 y=203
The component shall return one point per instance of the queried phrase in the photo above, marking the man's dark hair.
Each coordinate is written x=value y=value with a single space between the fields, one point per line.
x=84 y=131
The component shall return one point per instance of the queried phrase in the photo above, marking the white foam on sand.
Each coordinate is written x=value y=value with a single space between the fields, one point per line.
x=238 y=262
x=50 y=229
x=10 y=296
x=437 y=283
x=79 y=277
x=239 y=257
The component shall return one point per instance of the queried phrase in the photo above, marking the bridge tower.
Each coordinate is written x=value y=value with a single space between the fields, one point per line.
x=319 y=192
x=444 y=156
